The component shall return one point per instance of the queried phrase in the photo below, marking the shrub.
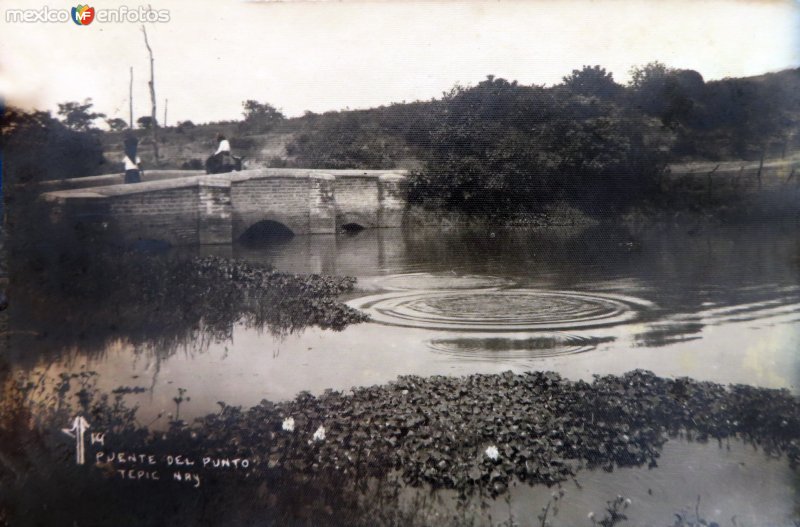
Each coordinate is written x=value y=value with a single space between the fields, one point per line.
x=501 y=147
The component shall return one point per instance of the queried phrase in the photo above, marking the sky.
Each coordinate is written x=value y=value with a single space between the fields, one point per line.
x=320 y=56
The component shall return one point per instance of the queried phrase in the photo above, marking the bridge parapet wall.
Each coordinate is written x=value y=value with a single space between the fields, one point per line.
x=130 y=212
x=105 y=180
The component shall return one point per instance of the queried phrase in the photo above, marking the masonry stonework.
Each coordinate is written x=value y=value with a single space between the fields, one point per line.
x=219 y=209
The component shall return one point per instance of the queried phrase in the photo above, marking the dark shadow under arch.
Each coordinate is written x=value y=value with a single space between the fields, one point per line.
x=352 y=228
x=266 y=231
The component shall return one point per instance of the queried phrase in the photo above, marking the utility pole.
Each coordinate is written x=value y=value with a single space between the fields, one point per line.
x=166 y=101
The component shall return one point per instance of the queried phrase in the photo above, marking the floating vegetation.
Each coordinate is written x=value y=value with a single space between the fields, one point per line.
x=323 y=455
x=483 y=431
x=163 y=302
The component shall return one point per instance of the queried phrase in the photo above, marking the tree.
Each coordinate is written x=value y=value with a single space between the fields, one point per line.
x=184 y=126
x=650 y=74
x=77 y=116
x=500 y=147
x=648 y=84
x=116 y=124
x=145 y=122
x=36 y=147
x=152 y=85
x=260 y=117
x=592 y=81
x=670 y=94
x=342 y=140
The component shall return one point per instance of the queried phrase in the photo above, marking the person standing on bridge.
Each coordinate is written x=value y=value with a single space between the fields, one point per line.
x=131 y=160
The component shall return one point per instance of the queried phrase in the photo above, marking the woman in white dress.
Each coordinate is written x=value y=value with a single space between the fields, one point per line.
x=131 y=161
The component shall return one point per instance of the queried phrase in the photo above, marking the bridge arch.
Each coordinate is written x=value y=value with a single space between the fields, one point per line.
x=367 y=220
x=352 y=228
x=266 y=231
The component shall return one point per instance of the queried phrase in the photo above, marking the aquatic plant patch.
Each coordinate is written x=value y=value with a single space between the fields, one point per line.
x=483 y=431
x=474 y=434
x=161 y=302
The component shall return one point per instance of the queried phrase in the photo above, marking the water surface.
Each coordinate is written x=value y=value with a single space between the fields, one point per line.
x=719 y=304
x=714 y=303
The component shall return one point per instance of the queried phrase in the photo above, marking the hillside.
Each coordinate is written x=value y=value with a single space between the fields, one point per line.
x=727 y=119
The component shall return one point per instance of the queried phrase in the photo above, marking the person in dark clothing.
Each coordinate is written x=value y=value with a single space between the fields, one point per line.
x=131 y=161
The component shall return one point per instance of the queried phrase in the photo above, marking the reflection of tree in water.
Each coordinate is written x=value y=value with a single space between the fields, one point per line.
x=679 y=267
x=666 y=334
x=87 y=302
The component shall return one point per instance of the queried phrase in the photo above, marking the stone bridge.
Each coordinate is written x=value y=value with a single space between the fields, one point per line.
x=188 y=207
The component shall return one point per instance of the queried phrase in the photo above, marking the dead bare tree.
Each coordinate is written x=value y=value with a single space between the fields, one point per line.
x=130 y=101
x=151 y=84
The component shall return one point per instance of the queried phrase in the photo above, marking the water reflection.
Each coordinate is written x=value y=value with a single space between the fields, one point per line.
x=417 y=281
x=722 y=305
x=493 y=348
x=664 y=334
x=90 y=304
x=669 y=287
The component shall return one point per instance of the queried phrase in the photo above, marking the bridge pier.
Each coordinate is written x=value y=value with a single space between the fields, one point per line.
x=321 y=204
x=214 y=218
x=392 y=198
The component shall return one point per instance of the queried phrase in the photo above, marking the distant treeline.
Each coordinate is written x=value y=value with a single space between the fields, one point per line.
x=495 y=146
x=726 y=119
x=589 y=141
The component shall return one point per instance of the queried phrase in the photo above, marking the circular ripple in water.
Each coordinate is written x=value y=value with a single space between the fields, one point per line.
x=427 y=281
x=502 y=310
x=498 y=348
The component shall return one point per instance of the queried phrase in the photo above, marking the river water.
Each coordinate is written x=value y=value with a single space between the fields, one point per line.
x=713 y=303
x=717 y=304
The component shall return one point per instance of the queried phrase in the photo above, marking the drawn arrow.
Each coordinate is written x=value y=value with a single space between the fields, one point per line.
x=79 y=426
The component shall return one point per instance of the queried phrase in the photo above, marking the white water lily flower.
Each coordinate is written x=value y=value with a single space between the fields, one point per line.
x=319 y=435
x=492 y=453
x=288 y=424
